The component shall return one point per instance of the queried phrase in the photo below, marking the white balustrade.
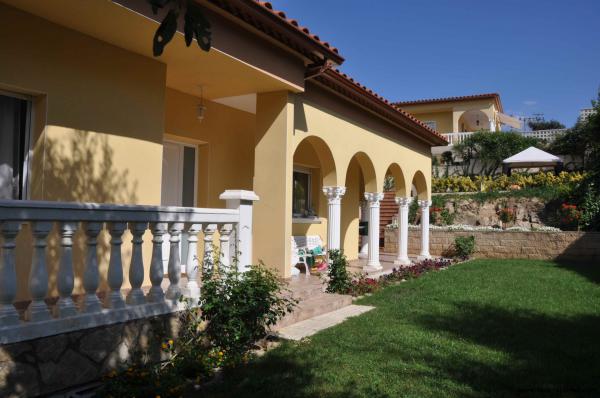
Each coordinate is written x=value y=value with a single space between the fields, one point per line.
x=233 y=224
x=192 y=263
x=208 y=259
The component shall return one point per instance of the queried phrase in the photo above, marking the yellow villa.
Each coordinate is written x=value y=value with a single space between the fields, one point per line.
x=114 y=163
x=458 y=117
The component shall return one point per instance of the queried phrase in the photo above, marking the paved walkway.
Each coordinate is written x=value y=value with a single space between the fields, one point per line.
x=308 y=327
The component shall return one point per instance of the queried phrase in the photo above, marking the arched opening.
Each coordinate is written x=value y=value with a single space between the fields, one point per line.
x=360 y=178
x=474 y=120
x=393 y=185
x=419 y=186
x=314 y=168
x=394 y=180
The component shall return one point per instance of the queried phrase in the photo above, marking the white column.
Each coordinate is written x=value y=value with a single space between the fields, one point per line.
x=373 y=199
x=334 y=215
x=208 y=258
x=156 y=293
x=136 y=266
x=424 y=205
x=66 y=306
x=114 y=299
x=192 y=289
x=242 y=201
x=403 y=204
x=174 y=267
x=8 y=274
x=364 y=239
x=91 y=278
x=38 y=277
x=225 y=248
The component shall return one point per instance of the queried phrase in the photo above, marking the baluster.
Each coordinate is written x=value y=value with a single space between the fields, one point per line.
x=156 y=293
x=8 y=275
x=38 y=277
x=136 y=267
x=115 y=266
x=174 y=291
x=66 y=306
x=191 y=265
x=208 y=262
x=91 y=278
x=225 y=249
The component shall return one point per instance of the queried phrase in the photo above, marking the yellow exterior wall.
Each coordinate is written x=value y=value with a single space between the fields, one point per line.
x=92 y=103
x=225 y=139
x=443 y=120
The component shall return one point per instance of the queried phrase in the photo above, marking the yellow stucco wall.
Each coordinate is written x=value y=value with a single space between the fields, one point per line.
x=92 y=103
x=225 y=139
x=443 y=120
x=447 y=114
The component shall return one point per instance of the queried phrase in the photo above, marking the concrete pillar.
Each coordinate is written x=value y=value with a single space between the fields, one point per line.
x=403 y=204
x=364 y=239
x=373 y=199
x=273 y=170
x=334 y=215
x=424 y=205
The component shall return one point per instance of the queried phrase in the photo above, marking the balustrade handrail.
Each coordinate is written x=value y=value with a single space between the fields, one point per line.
x=234 y=226
x=27 y=210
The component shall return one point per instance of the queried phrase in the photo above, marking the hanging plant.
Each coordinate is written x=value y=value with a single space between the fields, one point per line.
x=195 y=24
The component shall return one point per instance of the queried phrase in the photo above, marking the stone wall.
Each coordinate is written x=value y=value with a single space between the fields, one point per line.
x=507 y=244
x=54 y=363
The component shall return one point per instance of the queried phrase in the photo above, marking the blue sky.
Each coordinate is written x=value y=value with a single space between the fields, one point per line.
x=542 y=56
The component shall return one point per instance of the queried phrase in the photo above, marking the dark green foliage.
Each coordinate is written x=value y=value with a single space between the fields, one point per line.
x=195 y=25
x=413 y=209
x=464 y=246
x=240 y=307
x=545 y=125
x=490 y=148
x=339 y=279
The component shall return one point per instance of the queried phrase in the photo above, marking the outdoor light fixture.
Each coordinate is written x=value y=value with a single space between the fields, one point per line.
x=200 y=108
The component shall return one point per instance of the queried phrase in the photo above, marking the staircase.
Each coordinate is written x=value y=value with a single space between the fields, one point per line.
x=313 y=300
x=387 y=210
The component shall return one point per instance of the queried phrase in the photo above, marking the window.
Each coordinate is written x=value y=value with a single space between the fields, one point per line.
x=14 y=145
x=301 y=195
x=431 y=124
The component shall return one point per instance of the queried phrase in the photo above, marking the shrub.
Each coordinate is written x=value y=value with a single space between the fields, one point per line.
x=240 y=307
x=464 y=246
x=569 y=216
x=362 y=285
x=506 y=214
x=339 y=279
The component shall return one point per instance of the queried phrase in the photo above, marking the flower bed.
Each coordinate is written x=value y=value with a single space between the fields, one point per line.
x=464 y=227
x=362 y=284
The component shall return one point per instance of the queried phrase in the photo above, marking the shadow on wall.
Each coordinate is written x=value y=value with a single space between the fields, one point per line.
x=583 y=256
x=51 y=364
x=80 y=168
x=538 y=355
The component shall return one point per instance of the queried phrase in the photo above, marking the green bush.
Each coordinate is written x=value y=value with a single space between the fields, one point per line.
x=240 y=307
x=464 y=246
x=339 y=279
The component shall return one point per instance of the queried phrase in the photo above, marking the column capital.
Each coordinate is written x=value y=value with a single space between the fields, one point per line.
x=334 y=193
x=373 y=197
x=424 y=203
x=402 y=201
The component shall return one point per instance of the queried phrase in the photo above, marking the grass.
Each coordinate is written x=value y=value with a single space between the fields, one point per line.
x=487 y=328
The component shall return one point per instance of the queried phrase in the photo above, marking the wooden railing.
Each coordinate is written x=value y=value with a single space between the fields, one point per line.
x=233 y=224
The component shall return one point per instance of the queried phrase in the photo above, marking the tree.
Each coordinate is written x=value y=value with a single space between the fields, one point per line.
x=490 y=148
x=545 y=125
x=447 y=160
x=195 y=24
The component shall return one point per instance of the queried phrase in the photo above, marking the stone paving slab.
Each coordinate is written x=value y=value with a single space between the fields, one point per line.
x=308 y=327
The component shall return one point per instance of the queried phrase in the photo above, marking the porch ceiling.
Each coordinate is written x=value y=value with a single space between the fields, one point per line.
x=219 y=74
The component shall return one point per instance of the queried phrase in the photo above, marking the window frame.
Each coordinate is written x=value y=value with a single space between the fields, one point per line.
x=308 y=173
x=432 y=124
x=25 y=166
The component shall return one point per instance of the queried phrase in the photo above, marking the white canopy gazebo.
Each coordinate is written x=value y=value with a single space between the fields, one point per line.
x=531 y=157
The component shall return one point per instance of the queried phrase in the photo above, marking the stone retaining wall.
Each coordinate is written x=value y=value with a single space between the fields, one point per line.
x=507 y=244
x=49 y=364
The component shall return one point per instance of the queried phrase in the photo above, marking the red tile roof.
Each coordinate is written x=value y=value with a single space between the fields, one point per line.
x=415 y=125
x=292 y=22
x=494 y=96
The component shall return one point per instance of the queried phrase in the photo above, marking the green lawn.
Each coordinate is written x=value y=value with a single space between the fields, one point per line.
x=486 y=328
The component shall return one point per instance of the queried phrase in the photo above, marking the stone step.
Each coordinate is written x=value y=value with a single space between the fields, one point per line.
x=319 y=304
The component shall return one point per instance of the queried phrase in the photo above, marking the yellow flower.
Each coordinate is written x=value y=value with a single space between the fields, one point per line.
x=220 y=353
x=170 y=342
x=164 y=346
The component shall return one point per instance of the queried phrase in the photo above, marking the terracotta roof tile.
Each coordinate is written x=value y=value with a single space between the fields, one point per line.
x=386 y=103
x=294 y=23
x=494 y=96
